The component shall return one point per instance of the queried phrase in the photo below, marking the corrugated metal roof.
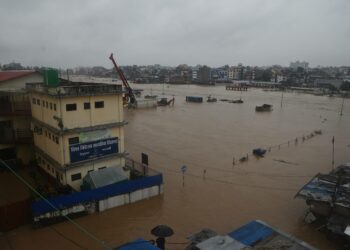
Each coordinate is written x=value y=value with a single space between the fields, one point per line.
x=9 y=75
x=257 y=234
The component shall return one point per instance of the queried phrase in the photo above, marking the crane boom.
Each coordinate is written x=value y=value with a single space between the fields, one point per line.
x=130 y=93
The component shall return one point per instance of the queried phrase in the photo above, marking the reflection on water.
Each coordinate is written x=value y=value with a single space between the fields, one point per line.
x=217 y=194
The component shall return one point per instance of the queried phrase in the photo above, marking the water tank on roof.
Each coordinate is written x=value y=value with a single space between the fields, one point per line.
x=51 y=77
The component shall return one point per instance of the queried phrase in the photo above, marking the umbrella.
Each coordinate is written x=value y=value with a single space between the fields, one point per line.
x=162 y=231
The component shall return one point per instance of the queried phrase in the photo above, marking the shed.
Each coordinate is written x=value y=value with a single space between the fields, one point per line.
x=104 y=177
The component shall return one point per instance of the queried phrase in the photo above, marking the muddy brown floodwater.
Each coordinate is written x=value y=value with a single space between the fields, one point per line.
x=206 y=137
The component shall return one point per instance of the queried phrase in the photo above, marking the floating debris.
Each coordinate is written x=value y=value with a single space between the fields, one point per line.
x=286 y=162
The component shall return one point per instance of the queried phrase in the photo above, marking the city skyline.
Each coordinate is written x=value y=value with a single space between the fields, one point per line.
x=256 y=33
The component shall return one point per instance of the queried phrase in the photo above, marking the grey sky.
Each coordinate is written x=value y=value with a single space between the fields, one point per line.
x=254 y=32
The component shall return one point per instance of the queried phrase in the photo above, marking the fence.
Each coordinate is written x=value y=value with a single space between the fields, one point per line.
x=94 y=195
x=143 y=169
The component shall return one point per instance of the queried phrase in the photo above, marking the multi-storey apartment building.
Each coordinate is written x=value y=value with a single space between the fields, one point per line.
x=78 y=128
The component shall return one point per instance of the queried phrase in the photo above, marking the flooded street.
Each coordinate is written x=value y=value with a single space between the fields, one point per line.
x=217 y=194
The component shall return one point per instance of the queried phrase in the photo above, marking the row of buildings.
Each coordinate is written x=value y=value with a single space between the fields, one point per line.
x=297 y=74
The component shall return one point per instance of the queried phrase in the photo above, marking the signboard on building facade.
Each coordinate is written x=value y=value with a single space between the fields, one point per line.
x=93 y=149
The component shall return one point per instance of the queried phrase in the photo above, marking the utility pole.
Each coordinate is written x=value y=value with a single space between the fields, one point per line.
x=282 y=98
x=333 y=153
x=342 y=105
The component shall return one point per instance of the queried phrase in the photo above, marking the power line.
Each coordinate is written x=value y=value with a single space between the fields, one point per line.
x=82 y=229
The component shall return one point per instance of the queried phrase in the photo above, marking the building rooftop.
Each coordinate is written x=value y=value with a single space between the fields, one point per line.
x=9 y=75
x=65 y=89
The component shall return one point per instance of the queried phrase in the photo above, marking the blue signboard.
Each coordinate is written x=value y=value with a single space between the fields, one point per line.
x=93 y=149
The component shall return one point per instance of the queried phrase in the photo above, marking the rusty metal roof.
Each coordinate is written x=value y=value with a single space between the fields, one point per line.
x=9 y=75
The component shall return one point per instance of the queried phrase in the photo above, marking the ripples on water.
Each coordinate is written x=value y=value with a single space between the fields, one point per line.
x=207 y=137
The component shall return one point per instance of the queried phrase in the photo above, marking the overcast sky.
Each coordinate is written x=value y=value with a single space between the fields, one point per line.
x=73 y=33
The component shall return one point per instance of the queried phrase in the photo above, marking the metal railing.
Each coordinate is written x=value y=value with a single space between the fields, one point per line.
x=15 y=108
x=139 y=167
x=76 y=89
x=13 y=136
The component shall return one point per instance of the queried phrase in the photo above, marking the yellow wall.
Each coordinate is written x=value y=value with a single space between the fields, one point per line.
x=60 y=151
x=65 y=176
x=110 y=113
x=45 y=113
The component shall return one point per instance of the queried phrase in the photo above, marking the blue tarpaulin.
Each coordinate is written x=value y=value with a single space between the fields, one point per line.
x=139 y=244
x=251 y=233
x=66 y=201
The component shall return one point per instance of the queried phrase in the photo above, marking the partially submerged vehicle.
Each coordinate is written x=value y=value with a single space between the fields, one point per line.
x=211 y=99
x=259 y=152
x=197 y=99
x=263 y=108
x=236 y=101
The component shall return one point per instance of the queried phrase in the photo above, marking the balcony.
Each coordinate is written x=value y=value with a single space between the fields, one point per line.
x=15 y=136
x=15 y=109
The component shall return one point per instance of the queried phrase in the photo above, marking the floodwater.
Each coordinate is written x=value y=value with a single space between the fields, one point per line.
x=215 y=193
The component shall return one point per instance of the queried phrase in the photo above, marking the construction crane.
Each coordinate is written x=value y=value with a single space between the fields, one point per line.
x=130 y=96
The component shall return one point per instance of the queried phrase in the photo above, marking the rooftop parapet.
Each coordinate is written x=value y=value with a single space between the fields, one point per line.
x=75 y=89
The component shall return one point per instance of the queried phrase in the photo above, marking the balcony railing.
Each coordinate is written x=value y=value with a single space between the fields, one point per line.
x=15 y=108
x=76 y=89
x=142 y=169
x=15 y=136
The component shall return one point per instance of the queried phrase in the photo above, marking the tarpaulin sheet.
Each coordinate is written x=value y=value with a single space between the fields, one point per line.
x=66 y=201
x=251 y=233
x=139 y=244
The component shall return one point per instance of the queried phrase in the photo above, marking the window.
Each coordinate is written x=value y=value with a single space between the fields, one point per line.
x=38 y=101
x=86 y=105
x=50 y=105
x=99 y=105
x=45 y=132
x=34 y=101
x=54 y=106
x=47 y=104
x=73 y=140
x=56 y=140
x=71 y=107
x=75 y=177
x=49 y=135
